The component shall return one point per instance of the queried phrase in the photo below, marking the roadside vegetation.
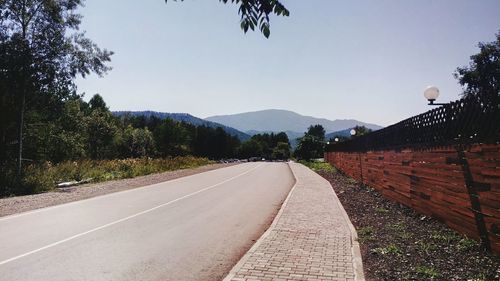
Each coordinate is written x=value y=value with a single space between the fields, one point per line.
x=81 y=140
x=318 y=166
x=268 y=146
x=399 y=244
x=312 y=144
x=72 y=140
x=43 y=177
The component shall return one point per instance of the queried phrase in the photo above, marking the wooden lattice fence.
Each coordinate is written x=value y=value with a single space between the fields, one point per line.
x=444 y=163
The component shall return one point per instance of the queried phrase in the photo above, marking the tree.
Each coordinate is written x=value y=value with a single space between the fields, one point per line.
x=42 y=53
x=97 y=102
x=269 y=146
x=481 y=79
x=317 y=131
x=223 y=144
x=172 y=138
x=255 y=13
x=68 y=138
x=282 y=137
x=101 y=130
x=309 y=148
x=266 y=144
x=250 y=148
x=136 y=142
x=281 y=151
x=361 y=130
x=312 y=144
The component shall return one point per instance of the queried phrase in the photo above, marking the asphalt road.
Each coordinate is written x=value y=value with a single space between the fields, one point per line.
x=192 y=228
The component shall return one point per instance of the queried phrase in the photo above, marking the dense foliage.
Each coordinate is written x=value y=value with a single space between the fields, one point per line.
x=312 y=144
x=42 y=177
x=78 y=130
x=268 y=146
x=482 y=77
x=361 y=131
x=41 y=53
x=172 y=138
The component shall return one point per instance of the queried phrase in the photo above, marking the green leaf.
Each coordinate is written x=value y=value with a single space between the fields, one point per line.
x=266 y=31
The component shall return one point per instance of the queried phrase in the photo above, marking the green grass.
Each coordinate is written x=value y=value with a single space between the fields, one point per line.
x=399 y=230
x=427 y=272
x=426 y=246
x=397 y=227
x=390 y=249
x=478 y=277
x=352 y=181
x=365 y=234
x=445 y=236
x=449 y=236
x=44 y=177
x=381 y=210
x=466 y=244
x=319 y=166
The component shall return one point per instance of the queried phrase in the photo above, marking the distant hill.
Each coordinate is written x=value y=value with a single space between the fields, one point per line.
x=343 y=133
x=187 y=118
x=276 y=120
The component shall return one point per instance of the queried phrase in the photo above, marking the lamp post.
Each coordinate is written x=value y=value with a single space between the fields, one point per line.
x=353 y=133
x=431 y=93
x=325 y=153
x=325 y=145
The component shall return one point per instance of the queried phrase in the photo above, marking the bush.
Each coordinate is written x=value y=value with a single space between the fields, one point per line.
x=37 y=179
x=319 y=166
x=43 y=177
x=136 y=143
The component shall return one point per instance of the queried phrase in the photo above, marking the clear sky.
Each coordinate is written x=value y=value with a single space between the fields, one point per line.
x=367 y=60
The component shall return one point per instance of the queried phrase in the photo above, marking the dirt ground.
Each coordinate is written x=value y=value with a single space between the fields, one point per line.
x=399 y=244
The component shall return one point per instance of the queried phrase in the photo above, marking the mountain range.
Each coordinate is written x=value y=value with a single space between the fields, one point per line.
x=187 y=118
x=245 y=125
x=277 y=120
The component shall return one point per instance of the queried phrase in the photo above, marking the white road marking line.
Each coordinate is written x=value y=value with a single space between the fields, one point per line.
x=126 y=218
x=8 y=217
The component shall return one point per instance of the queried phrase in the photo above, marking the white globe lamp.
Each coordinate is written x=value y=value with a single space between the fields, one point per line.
x=431 y=93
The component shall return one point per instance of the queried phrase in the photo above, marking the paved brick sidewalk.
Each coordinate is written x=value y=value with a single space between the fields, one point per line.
x=310 y=239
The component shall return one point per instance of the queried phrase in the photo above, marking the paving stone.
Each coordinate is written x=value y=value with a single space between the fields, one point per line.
x=311 y=239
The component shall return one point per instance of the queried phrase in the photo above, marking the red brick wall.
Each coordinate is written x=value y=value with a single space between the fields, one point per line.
x=432 y=182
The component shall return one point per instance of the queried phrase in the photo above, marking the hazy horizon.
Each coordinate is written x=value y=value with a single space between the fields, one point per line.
x=251 y=111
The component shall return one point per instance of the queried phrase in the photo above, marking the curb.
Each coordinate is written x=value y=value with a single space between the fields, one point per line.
x=255 y=246
x=355 y=249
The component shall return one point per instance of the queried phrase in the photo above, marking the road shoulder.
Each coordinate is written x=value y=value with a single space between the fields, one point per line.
x=20 y=204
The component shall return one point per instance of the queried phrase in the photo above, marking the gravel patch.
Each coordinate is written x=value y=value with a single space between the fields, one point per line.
x=398 y=243
x=19 y=204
